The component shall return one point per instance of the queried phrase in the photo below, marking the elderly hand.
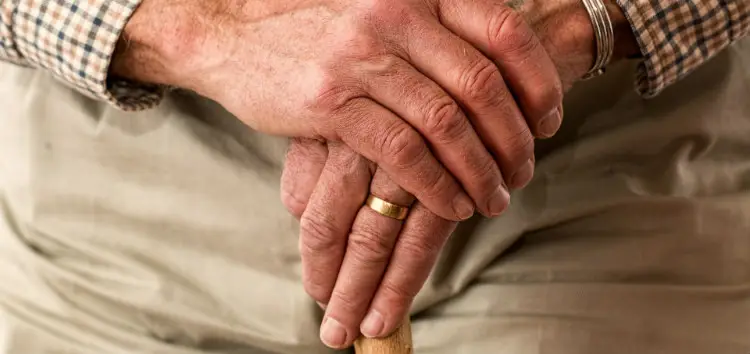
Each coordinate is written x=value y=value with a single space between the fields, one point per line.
x=416 y=86
x=353 y=258
x=364 y=265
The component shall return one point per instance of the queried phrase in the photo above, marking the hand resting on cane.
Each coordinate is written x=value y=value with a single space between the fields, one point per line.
x=365 y=267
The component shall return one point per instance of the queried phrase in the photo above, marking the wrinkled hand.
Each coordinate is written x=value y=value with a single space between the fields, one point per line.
x=355 y=262
x=416 y=86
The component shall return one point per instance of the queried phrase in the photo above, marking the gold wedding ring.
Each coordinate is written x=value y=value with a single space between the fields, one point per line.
x=386 y=208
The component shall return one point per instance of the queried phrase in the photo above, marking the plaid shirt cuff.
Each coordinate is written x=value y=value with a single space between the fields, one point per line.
x=677 y=36
x=75 y=41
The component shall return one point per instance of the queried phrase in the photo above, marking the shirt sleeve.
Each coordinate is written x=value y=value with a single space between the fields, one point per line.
x=677 y=36
x=75 y=41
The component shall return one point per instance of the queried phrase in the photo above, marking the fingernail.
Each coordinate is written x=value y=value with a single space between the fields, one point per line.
x=463 y=207
x=549 y=125
x=373 y=324
x=523 y=175
x=499 y=200
x=332 y=333
x=322 y=305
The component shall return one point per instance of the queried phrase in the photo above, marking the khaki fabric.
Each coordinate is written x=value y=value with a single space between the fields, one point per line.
x=162 y=231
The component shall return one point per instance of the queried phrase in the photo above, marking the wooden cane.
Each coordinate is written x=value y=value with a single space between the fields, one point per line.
x=397 y=343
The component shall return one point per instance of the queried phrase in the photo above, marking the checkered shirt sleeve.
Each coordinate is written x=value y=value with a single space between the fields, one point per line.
x=74 y=40
x=677 y=36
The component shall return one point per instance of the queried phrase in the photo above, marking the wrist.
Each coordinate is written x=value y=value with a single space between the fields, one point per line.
x=566 y=31
x=626 y=46
x=159 y=42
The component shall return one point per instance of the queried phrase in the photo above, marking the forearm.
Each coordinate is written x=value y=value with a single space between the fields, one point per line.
x=159 y=41
x=563 y=26
x=177 y=42
x=73 y=41
x=164 y=38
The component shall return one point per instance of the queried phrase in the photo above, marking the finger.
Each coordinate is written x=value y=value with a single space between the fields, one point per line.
x=476 y=83
x=382 y=137
x=326 y=222
x=422 y=237
x=305 y=160
x=434 y=113
x=367 y=253
x=503 y=35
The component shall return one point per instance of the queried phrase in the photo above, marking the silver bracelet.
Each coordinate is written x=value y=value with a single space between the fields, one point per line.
x=605 y=36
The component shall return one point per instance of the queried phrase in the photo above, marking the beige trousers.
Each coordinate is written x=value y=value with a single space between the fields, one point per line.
x=162 y=231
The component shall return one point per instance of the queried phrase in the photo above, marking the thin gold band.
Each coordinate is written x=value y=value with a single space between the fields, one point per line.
x=386 y=208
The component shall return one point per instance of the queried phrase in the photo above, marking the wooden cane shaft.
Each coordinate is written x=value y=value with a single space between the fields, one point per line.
x=397 y=343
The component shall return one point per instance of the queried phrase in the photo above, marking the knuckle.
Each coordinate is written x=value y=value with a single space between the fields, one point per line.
x=444 y=119
x=487 y=171
x=398 y=293
x=369 y=247
x=520 y=147
x=387 y=69
x=315 y=288
x=421 y=251
x=333 y=95
x=293 y=204
x=346 y=163
x=550 y=96
x=357 y=37
x=481 y=81
x=542 y=97
x=307 y=149
x=348 y=302
x=438 y=186
x=317 y=233
x=388 y=66
x=403 y=145
x=508 y=31
x=337 y=83
x=365 y=47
